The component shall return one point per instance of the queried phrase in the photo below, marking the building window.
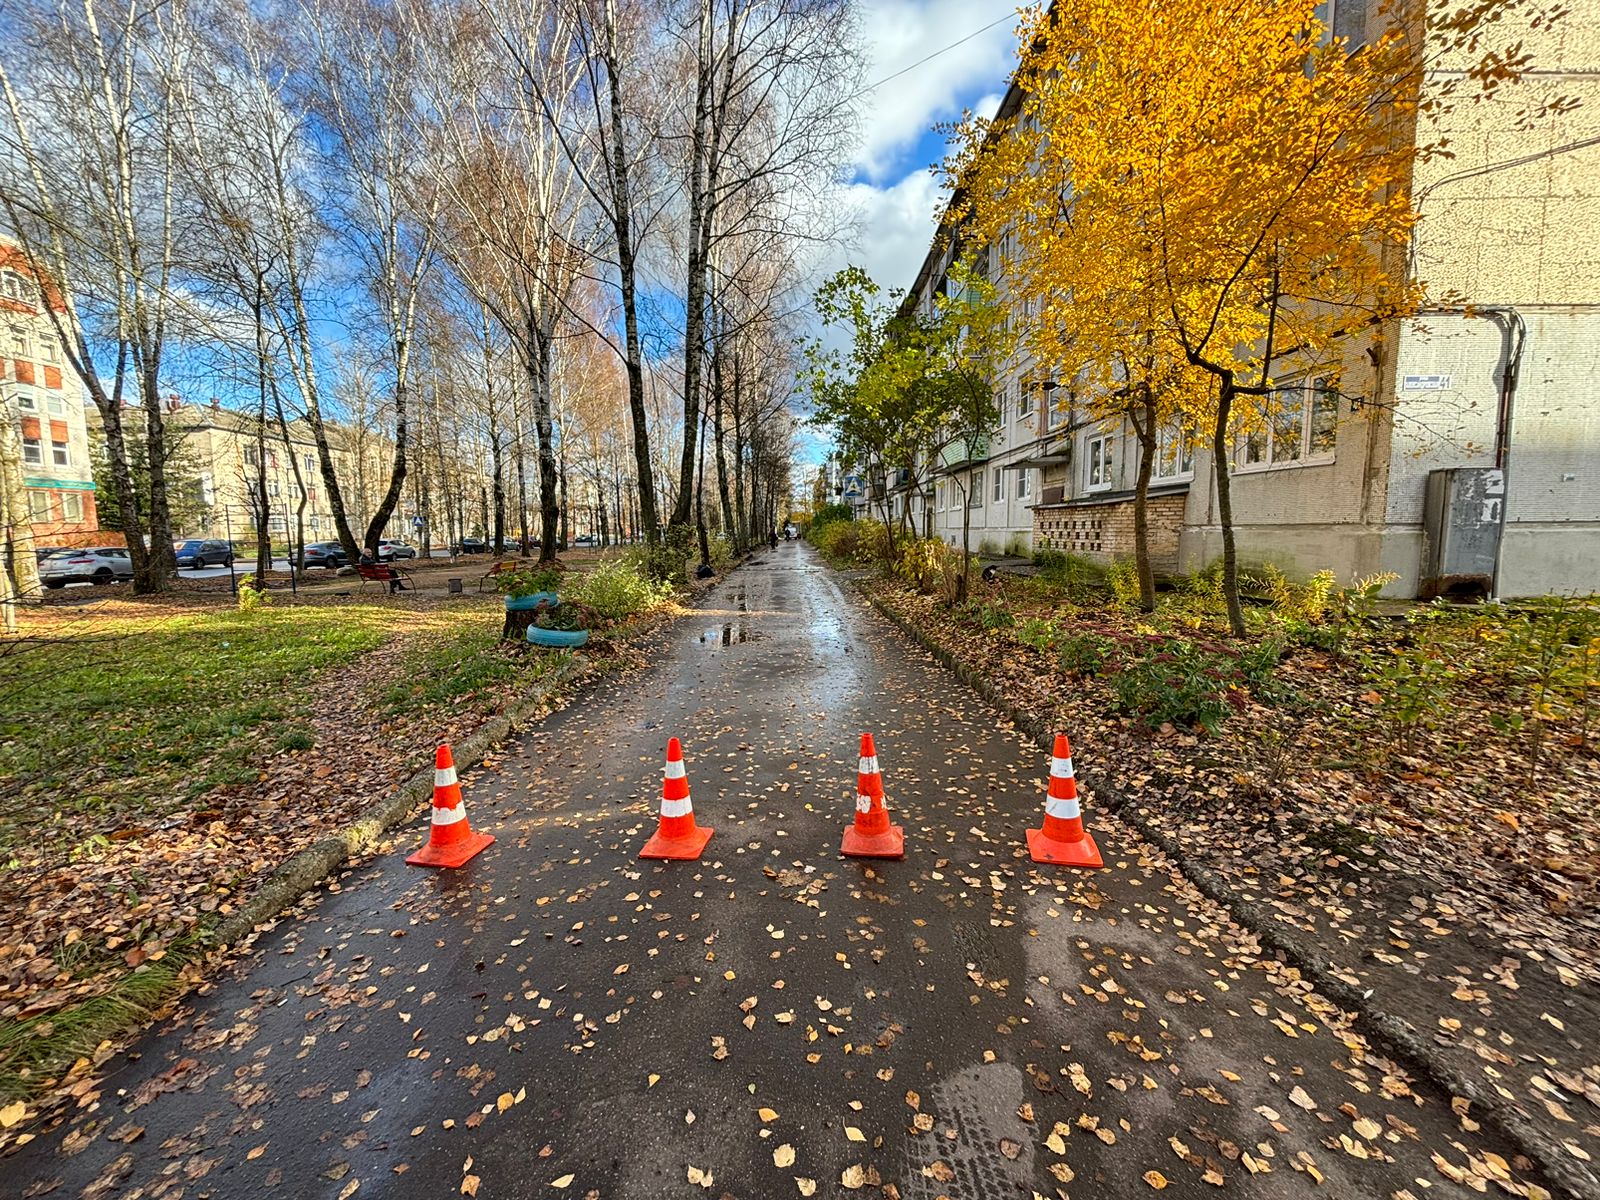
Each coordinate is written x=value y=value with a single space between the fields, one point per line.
x=272 y=487
x=309 y=464
x=26 y=400
x=15 y=287
x=55 y=404
x=252 y=457
x=1097 y=458
x=1174 y=453
x=1297 y=423
x=975 y=490
x=32 y=451
x=1024 y=401
x=60 y=453
x=1024 y=483
x=72 y=507
x=19 y=342
x=999 y=485
x=47 y=350
x=39 y=508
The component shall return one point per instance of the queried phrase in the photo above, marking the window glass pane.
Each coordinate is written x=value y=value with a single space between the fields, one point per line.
x=32 y=451
x=1324 y=415
x=1287 y=422
x=56 y=405
x=26 y=401
x=999 y=485
x=61 y=454
x=39 y=505
x=71 y=506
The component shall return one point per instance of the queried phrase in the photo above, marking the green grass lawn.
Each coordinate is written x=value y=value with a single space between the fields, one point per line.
x=134 y=710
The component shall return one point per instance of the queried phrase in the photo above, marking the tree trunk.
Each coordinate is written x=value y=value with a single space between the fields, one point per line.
x=1219 y=463
x=1146 y=432
x=544 y=422
x=695 y=284
x=622 y=226
x=16 y=518
x=160 y=564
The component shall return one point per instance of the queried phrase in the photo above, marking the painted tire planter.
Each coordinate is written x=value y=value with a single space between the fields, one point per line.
x=564 y=638
x=528 y=603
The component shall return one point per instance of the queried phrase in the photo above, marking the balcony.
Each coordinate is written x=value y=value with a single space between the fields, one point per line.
x=962 y=453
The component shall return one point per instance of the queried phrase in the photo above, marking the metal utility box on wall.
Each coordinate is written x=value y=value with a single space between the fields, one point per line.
x=1463 y=515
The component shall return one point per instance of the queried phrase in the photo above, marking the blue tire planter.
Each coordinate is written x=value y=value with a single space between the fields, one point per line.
x=528 y=603
x=563 y=638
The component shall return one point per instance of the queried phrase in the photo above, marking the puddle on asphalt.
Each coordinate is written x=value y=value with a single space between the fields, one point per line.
x=729 y=634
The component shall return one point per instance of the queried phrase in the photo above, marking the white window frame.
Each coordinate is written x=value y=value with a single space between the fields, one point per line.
x=33 y=451
x=47 y=350
x=55 y=405
x=72 y=507
x=26 y=400
x=1301 y=452
x=1169 y=436
x=60 y=453
x=41 y=506
x=999 y=496
x=975 y=489
x=1099 y=458
x=1025 y=483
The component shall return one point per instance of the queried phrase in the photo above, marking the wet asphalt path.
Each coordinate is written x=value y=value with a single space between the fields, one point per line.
x=559 y=1019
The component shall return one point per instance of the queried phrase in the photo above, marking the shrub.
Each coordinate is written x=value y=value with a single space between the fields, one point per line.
x=837 y=541
x=1412 y=686
x=829 y=514
x=616 y=589
x=252 y=597
x=721 y=552
x=918 y=563
x=1308 y=602
x=993 y=616
x=1178 y=683
x=667 y=561
x=1123 y=580
x=527 y=580
x=1084 y=654
x=1040 y=633
x=1078 y=576
x=872 y=545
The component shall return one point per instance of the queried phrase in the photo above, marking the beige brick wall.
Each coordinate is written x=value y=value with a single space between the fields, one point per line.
x=1105 y=531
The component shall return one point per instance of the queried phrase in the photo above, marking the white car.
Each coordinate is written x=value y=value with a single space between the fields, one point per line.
x=388 y=551
x=91 y=564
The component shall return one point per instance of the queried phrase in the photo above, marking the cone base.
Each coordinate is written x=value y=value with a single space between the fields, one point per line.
x=453 y=855
x=889 y=844
x=680 y=849
x=1082 y=853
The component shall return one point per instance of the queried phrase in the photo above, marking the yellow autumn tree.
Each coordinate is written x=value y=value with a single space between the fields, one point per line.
x=1214 y=189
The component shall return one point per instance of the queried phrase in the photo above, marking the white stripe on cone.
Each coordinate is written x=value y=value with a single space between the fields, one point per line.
x=1061 y=768
x=677 y=808
x=449 y=816
x=1066 y=810
x=863 y=803
x=444 y=776
x=675 y=769
x=869 y=764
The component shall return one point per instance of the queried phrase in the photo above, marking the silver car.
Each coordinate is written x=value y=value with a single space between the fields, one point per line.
x=91 y=564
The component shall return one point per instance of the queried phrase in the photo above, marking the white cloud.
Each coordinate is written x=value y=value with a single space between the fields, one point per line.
x=899 y=33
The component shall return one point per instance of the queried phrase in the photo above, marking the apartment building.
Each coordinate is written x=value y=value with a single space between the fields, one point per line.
x=1459 y=451
x=222 y=455
x=41 y=396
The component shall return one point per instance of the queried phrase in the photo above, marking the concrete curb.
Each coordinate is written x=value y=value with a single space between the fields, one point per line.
x=1397 y=1036
x=316 y=862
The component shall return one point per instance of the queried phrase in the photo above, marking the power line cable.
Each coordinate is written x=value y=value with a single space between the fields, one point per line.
x=930 y=57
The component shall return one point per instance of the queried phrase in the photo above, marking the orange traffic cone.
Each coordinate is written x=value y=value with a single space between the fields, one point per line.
x=451 y=841
x=872 y=836
x=1063 y=840
x=677 y=836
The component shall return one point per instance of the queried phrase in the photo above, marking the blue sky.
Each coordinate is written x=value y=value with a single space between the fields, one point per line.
x=890 y=188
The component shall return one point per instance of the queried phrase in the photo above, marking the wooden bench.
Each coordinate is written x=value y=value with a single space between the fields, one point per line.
x=497 y=569
x=398 y=579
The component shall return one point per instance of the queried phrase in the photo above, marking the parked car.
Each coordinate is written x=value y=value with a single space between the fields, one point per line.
x=586 y=539
x=388 y=550
x=471 y=545
x=91 y=564
x=43 y=552
x=325 y=554
x=198 y=553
